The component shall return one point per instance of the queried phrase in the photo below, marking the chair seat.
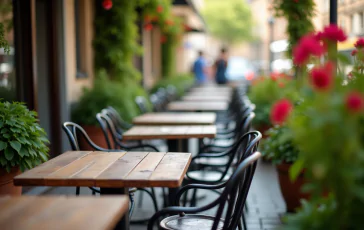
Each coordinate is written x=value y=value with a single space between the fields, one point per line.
x=212 y=161
x=189 y=222
x=208 y=176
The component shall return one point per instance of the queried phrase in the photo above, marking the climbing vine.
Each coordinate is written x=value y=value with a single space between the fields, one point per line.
x=299 y=14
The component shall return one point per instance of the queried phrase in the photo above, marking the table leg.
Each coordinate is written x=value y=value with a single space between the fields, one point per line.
x=123 y=224
x=172 y=192
x=180 y=145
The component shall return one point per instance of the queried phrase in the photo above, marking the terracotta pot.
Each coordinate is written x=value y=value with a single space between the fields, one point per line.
x=291 y=191
x=96 y=135
x=6 y=182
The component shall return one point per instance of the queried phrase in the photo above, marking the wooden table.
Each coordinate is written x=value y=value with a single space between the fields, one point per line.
x=175 y=119
x=209 y=93
x=206 y=98
x=197 y=106
x=176 y=136
x=61 y=212
x=113 y=172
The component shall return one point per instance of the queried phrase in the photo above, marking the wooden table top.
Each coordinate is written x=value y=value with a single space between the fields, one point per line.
x=175 y=119
x=170 y=132
x=209 y=98
x=109 y=170
x=209 y=93
x=198 y=106
x=61 y=212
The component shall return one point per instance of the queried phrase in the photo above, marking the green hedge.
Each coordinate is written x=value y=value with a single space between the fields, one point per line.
x=181 y=82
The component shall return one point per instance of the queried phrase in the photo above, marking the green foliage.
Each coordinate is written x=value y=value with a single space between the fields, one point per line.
x=181 y=82
x=264 y=92
x=299 y=16
x=116 y=40
x=106 y=93
x=22 y=140
x=229 y=20
x=279 y=146
x=3 y=42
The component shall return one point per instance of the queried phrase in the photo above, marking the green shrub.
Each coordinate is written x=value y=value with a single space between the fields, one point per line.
x=22 y=140
x=181 y=82
x=107 y=93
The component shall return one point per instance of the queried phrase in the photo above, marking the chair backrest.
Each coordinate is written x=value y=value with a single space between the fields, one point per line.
x=108 y=127
x=119 y=123
x=74 y=133
x=234 y=196
x=243 y=148
x=142 y=104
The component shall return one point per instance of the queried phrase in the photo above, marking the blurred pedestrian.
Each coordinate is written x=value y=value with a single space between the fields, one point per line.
x=220 y=67
x=199 y=69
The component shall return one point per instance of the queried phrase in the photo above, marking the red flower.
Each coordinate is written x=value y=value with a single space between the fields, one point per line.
x=308 y=45
x=333 y=33
x=354 y=52
x=148 y=27
x=163 y=39
x=281 y=85
x=321 y=77
x=280 y=111
x=354 y=102
x=147 y=18
x=107 y=4
x=359 y=43
x=159 y=9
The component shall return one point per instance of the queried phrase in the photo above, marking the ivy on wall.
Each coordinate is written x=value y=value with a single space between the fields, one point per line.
x=299 y=16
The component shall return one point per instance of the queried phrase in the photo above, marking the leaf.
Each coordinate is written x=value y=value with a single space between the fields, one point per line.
x=23 y=152
x=9 y=154
x=296 y=169
x=16 y=145
x=3 y=145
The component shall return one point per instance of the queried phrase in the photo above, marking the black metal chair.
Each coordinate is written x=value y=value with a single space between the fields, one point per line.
x=142 y=104
x=108 y=127
x=232 y=200
x=74 y=133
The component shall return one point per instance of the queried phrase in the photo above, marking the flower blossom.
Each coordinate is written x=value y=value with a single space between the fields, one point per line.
x=308 y=45
x=107 y=4
x=354 y=52
x=280 y=111
x=321 y=77
x=354 y=102
x=359 y=43
x=333 y=33
x=148 y=27
x=159 y=9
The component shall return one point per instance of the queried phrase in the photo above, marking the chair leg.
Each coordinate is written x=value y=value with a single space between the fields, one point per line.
x=132 y=204
x=140 y=201
x=155 y=204
x=185 y=199
x=194 y=198
x=244 y=221
x=77 y=191
x=154 y=198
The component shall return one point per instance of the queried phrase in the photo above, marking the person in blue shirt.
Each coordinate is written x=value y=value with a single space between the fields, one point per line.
x=199 y=69
x=220 y=67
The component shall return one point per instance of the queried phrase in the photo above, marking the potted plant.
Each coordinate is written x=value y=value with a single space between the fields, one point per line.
x=104 y=93
x=23 y=144
x=279 y=148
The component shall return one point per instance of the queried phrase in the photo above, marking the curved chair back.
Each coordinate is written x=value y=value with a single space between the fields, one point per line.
x=74 y=133
x=116 y=118
x=234 y=196
x=107 y=127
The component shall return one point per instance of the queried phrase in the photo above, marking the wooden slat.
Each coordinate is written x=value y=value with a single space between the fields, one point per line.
x=146 y=167
x=173 y=165
x=71 y=213
x=197 y=106
x=175 y=119
x=37 y=174
x=120 y=169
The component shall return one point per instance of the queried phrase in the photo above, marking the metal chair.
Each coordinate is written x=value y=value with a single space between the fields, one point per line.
x=74 y=133
x=142 y=104
x=232 y=199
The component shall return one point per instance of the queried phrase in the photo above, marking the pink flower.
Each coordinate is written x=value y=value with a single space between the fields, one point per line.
x=359 y=43
x=280 y=111
x=333 y=33
x=107 y=4
x=321 y=77
x=307 y=46
x=354 y=52
x=354 y=102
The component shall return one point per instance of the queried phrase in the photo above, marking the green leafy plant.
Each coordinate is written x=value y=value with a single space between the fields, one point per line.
x=181 y=82
x=107 y=93
x=278 y=146
x=22 y=140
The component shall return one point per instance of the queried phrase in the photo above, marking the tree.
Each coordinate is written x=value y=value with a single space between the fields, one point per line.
x=228 y=20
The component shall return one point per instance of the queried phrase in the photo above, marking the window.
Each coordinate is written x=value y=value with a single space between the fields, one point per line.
x=352 y=24
x=361 y=21
x=79 y=39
